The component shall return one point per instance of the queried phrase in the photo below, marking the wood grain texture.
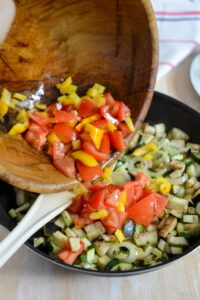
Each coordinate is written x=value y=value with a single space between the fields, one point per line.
x=110 y=42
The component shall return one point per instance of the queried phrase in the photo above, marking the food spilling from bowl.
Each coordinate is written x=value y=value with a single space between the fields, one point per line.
x=141 y=213
x=77 y=133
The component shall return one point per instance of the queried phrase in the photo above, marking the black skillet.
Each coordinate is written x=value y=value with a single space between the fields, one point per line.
x=163 y=109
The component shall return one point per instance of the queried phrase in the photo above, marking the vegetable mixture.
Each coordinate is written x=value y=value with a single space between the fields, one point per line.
x=77 y=133
x=141 y=212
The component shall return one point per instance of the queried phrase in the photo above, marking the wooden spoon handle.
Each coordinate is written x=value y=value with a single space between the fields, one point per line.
x=45 y=208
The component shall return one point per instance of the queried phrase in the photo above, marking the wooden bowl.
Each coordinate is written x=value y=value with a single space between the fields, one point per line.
x=113 y=43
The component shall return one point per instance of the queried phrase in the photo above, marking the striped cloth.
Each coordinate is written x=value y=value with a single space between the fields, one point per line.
x=179 y=30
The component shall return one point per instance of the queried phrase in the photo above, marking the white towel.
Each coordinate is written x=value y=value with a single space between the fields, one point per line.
x=179 y=31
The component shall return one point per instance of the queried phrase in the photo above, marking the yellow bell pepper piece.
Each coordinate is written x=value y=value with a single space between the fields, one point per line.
x=86 y=121
x=52 y=137
x=122 y=202
x=76 y=145
x=85 y=158
x=23 y=123
x=99 y=101
x=102 y=213
x=145 y=149
x=5 y=97
x=64 y=85
x=19 y=96
x=148 y=156
x=96 y=90
x=107 y=175
x=70 y=99
x=111 y=127
x=161 y=184
x=96 y=134
x=119 y=235
x=3 y=109
x=130 y=125
x=40 y=105
x=80 y=189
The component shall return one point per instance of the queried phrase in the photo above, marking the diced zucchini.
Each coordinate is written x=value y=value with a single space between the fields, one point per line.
x=190 y=219
x=74 y=243
x=112 y=263
x=78 y=232
x=67 y=218
x=191 y=210
x=91 y=254
x=185 y=234
x=125 y=251
x=160 y=129
x=179 y=134
x=148 y=250
x=177 y=157
x=38 y=241
x=53 y=248
x=23 y=207
x=12 y=213
x=177 y=241
x=139 y=228
x=157 y=252
x=119 y=177
x=103 y=261
x=146 y=238
x=178 y=204
x=59 y=239
x=162 y=244
x=198 y=208
x=140 y=255
x=60 y=222
x=94 y=230
x=175 y=213
x=169 y=225
x=69 y=232
x=193 y=229
x=195 y=156
x=178 y=143
x=125 y=266
x=190 y=182
x=101 y=247
x=172 y=233
x=180 y=227
x=86 y=242
x=149 y=260
x=176 y=250
x=146 y=138
x=191 y=170
x=149 y=129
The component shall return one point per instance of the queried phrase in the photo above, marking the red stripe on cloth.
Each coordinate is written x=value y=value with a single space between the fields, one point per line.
x=166 y=63
x=181 y=13
x=180 y=41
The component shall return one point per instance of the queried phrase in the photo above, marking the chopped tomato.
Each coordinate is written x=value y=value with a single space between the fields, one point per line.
x=89 y=173
x=65 y=133
x=35 y=138
x=109 y=99
x=77 y=205
x=146 y=193
x=105 y=112
x=147 y=208
x=58 y=150
x=113 y=198
x=68 y=107
x=37 y=117
x=143 y=179
x=111 y=221
x=97 y=186
x=124 y=129
x=85 y=136
x=82 y=221
x=96 y=202
x=66 y=166
x=33 y=126
x=64 y=116
x=116 y=140
x=134 y=192
x=90 y=148
x=105 y=144
x=115 y=108
x=87 y=108
x=123 y=112
x=102 y=124
x=68 y=256
x=51 y=109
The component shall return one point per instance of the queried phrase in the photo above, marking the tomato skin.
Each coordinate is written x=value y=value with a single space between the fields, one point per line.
x=143 y=179
x=116 y=140
x=134 y=192
x=124 y=129
x=87 y=108
x=96 y=202
x=58 y=150
x=64 y=116
x=90 y=148
x=89 y=173
x=82 y=221
x=105 y=112
x=105 y=144
x=66 y=166
x=115 y=108
x=109 y=99
x=123 y=112
x=36 y=135
x=160 y=203
x=65 y=133
x=113 y=198
x=85 y=136
x=68 y=256
x=112 y=220
x=51 y=109
x=77 y=205
x=33 y=126
x=38 y=118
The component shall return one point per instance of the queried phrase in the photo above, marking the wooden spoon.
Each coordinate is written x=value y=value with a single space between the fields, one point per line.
x=113 y=43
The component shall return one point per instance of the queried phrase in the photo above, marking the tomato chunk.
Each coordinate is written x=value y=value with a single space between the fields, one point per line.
x=77 y=205
x=51 y=109
x=115 y=108
x=112 y=199
x=116 y=140
x=39 y=118
x=66 y=166
x=68 y=256
x=90 y=148
x=143 y=179
x=105 y=112
x=97 y=186
x=65 y=133
x=124 y=129
x=102 y=124
x=123 y=112
x=87 y=108
x=105 y=144
x=109 y=99
x=58 y=150
x=89 y=173
x=96 y=202
x=83 y=221
x=36 y=138
x=64 y=116
x=134 y=192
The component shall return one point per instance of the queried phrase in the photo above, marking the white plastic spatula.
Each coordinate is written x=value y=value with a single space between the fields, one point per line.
x=45 y=208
